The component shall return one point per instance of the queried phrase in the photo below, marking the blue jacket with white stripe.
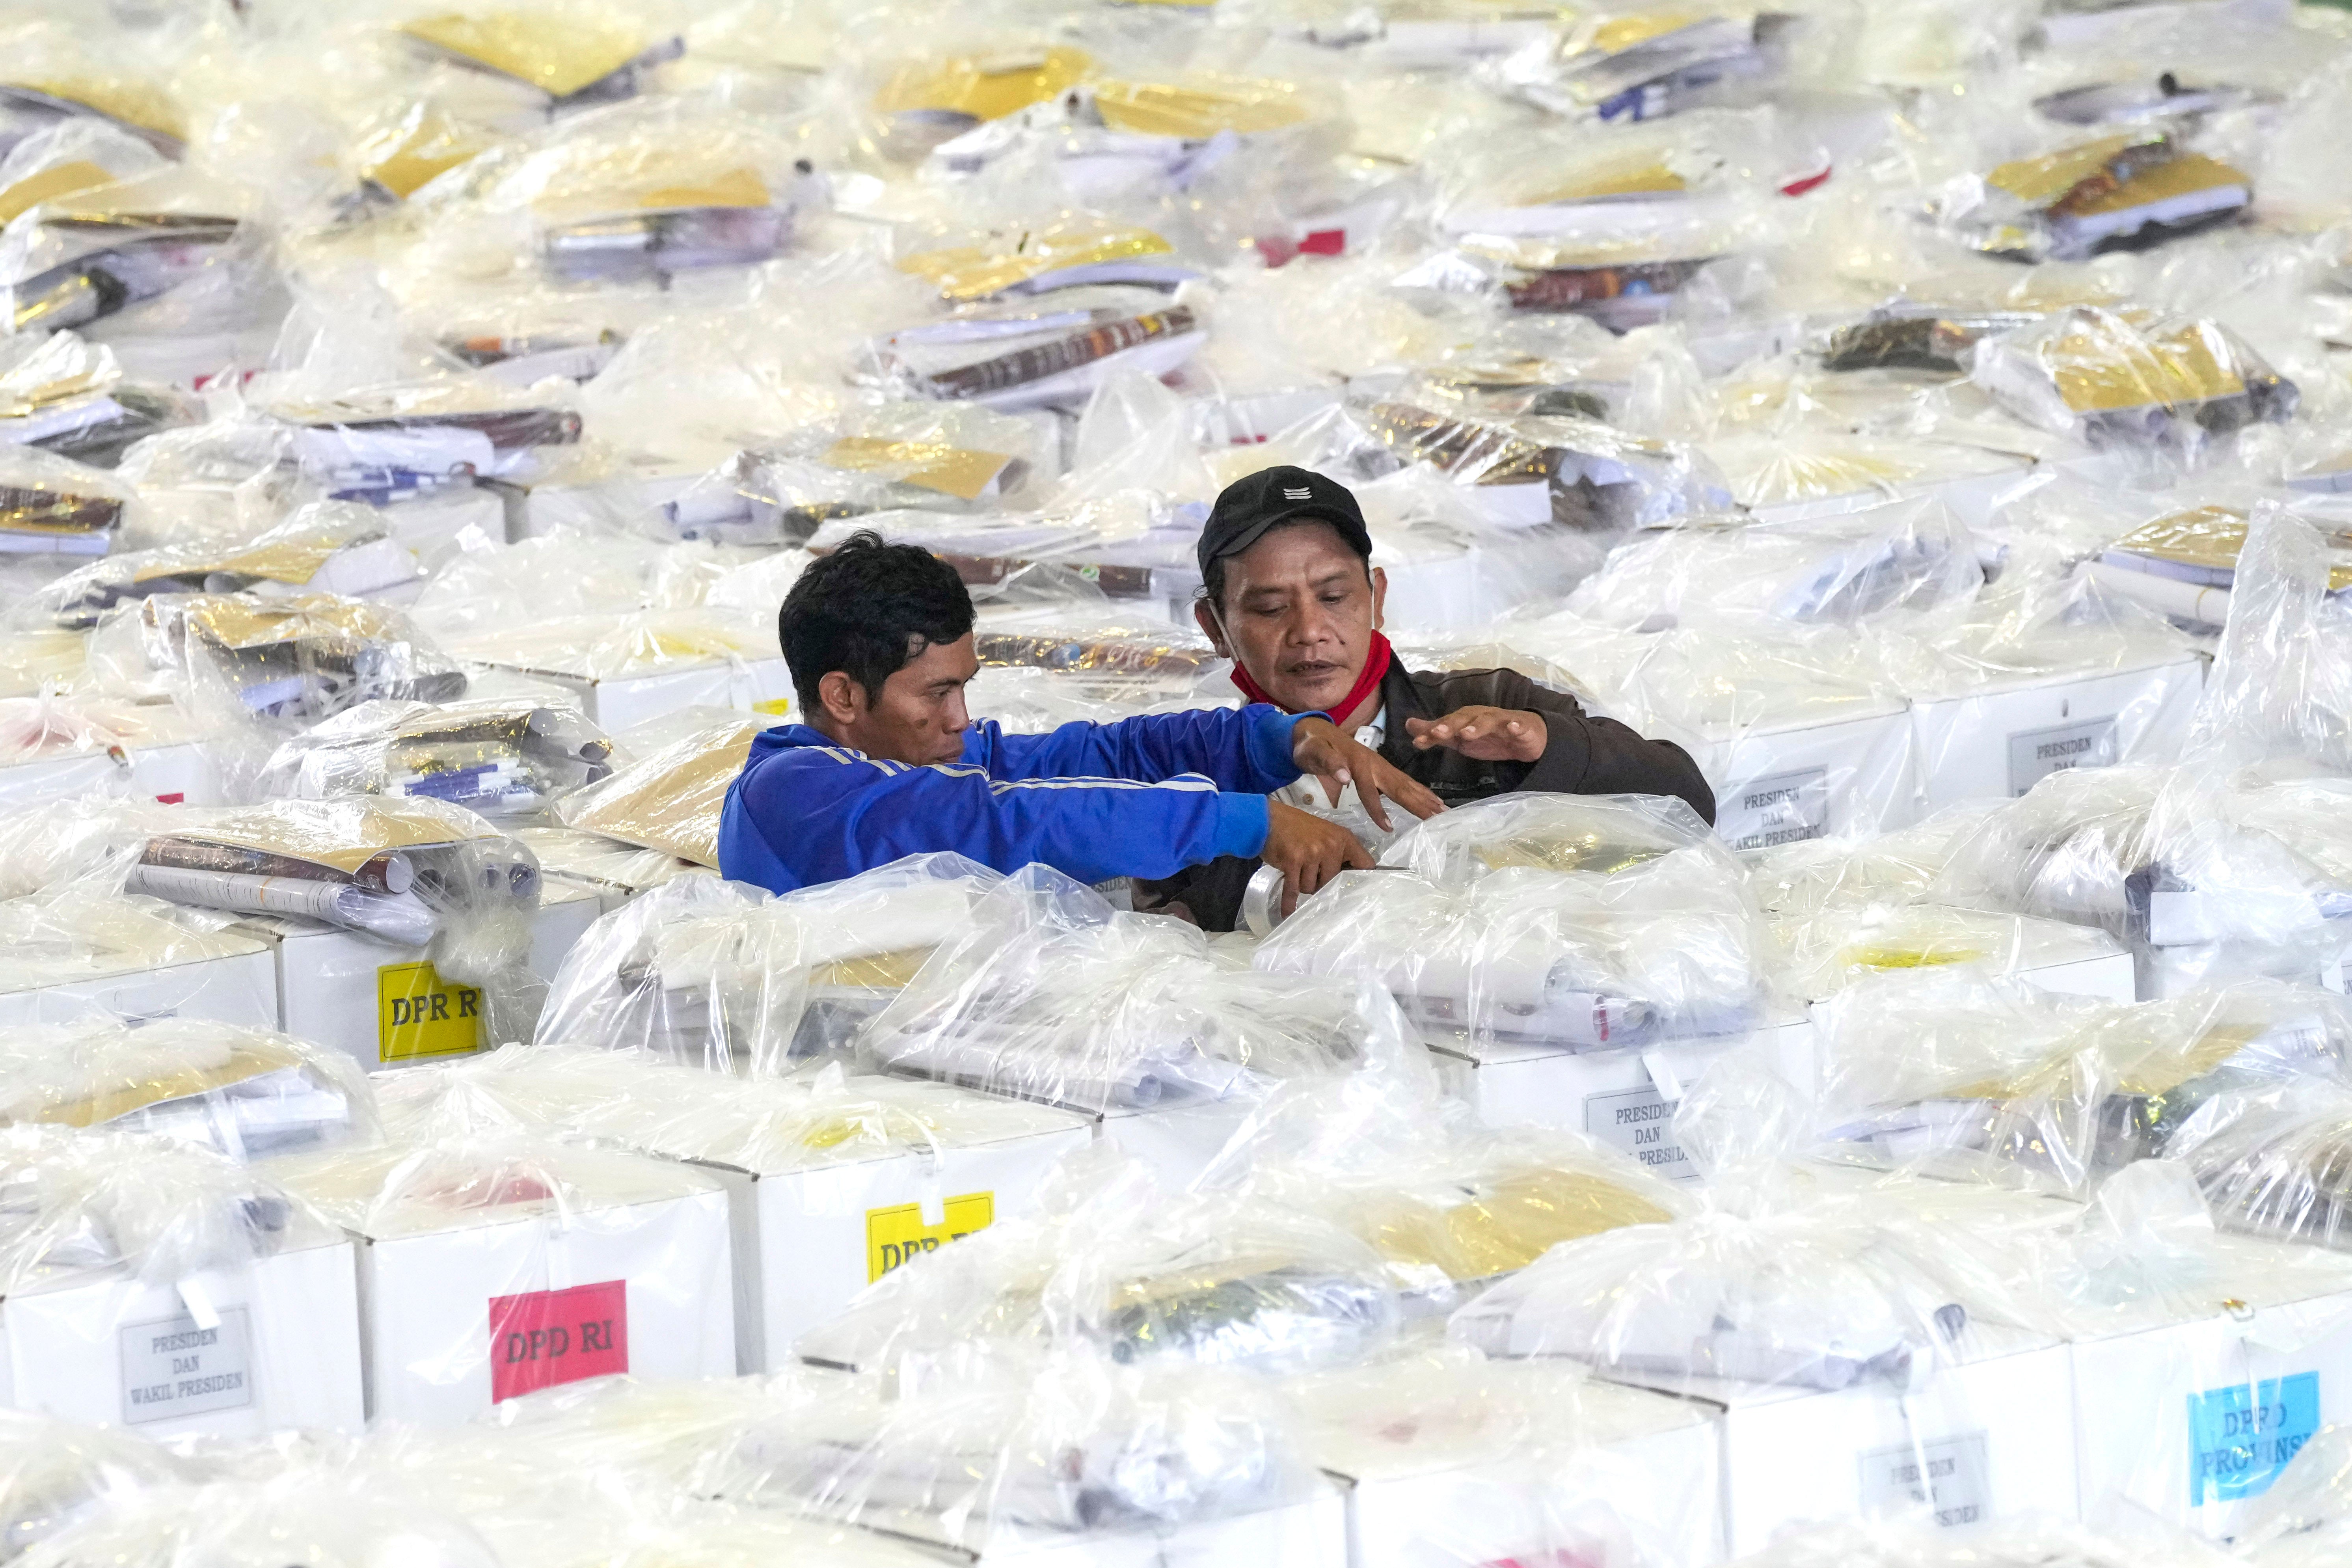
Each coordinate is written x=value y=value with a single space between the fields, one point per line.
x=1143 y=797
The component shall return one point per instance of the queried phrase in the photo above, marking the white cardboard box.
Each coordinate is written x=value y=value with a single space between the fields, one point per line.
x=228 y=1353
x=1996 y=745
x=387 y=1006
x=1627 y=1097
x=2192 y=1420
x=1647 y=1489
x=237 y=984
x=458 y=1319
x=1854 y=775
x=182 y=773
x=623 y=702
x=808 y=1240
x=1308 y=1533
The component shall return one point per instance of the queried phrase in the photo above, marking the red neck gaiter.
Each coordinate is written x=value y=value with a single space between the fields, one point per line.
x=1376 y=664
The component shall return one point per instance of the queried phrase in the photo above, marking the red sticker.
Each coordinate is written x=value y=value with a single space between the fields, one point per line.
x=543 y=1338
x=1325 y=242
x=181 y=798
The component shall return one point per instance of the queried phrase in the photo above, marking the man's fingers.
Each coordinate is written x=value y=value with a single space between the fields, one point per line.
x=1356 y=855
x=1368 y=790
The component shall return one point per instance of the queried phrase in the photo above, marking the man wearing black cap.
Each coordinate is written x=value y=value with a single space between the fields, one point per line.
x=1291 y=596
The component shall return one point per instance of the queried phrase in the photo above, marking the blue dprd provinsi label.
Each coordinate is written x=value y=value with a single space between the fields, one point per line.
x=2241 y=1437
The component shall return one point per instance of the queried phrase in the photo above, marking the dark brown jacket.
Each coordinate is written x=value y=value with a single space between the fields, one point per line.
x=1582 y=755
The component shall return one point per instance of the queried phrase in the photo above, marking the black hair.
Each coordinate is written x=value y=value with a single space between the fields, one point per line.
x=1213 y=580
x=867 y=610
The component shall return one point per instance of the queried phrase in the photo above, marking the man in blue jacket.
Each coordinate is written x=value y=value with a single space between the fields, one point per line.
x=879 y=640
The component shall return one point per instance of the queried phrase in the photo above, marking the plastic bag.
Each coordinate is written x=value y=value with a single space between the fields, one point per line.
x=501 y=757
x=1032 y=353
x=719 y=975
x=2126 y=379
x=2132 y=188
x=1582 y=922
x=670 y=799
x=70 y=397
x=53 y=506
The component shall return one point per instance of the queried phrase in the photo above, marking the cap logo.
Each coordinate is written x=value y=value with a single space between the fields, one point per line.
x=1298 y=495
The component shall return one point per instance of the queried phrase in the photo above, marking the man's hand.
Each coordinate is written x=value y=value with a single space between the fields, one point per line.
x=1484 y=734
x=1318 y=748
x=1309 y=850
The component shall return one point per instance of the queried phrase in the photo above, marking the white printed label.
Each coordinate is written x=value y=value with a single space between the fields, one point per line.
x=1781 y=808
x=2035 y=754
x=1951 y=1476
x=173 y=1368
x=1641 y=1122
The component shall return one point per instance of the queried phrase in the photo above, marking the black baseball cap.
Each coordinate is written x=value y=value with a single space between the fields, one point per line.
x=1247 y=508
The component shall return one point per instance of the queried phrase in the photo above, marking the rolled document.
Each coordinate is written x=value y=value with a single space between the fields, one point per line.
x=399 y=918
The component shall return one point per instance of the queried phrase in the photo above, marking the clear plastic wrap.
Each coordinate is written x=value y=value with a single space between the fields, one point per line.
x=669 y=799
x=499 y=757
x=69 y=396
x=1823 y=951
x=946 y=457
x=72 y=936
x=1048 y=994
x=1639 y=63
x=53 y=506
x=2129 y=189
x=378 y=443
x=1085 y=1457
x=719 y=975
x=246 y=1094
x=331 y=548
x=249 y=657
x=2003 y=1082
x=421 y=874
x=331 y=1520
x=1049 y=352
x=158 y=254
x=2130 y=380
x=2282 y=680
x=574 y=56
x=1579 y=922
x=1910 y=556
x=55 y=1474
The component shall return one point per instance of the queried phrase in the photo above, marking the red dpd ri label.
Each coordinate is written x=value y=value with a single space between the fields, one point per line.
x=543 y=1338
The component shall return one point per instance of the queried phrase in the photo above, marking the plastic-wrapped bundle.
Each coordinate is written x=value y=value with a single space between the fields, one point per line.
x=2184 y=565
x=53 y=505
x=1581 y=921
x=1823 y=951
x=127 y=254
x=568 y=59
x=927 y=102
x=1999 y=1081
x=89 y=741
x=929 y=457
x=1082 y=1457
x=1911 y=556
x=2128 y=379
x=588 y=650
x=1544 y=468
x=669 y=799
x=248 y=1093
x=1048 y=994
x=1817 y=875
x=1634 y=64
x=418 y=873
x=2130 y=189
x=719 y=975
x=1917 y=338
x=69 y=396
x=1792 y=1301
x=2281 y=680
x=384 y=442
x=1042 y=352
x=56 y=78
x=1140 y=557
x=328 y=549
x=2302 y=1521
x=1450 y=1215
x=304 y=657
x=614 y=871
x=2276 y=1164
x=1116 y=1265
x=2071 y=848
x=1797 y=472
x=54 y=1474
x=498 y=757
x=1071 y=251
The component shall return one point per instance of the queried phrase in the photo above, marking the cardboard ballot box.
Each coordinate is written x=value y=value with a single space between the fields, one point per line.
x=1991 y=1436
x=614 y=871
x=1627 y=1097
x=485 y=1277
x=809 y=1235
x=1592 y=1473
x=620 y=702
x=86 y=952
x=438 y=524
x=2193 y=1419
x=1853 y=775
x=178 y=773
x=1999 y=743
x=225 y=1353
x=386 y=1005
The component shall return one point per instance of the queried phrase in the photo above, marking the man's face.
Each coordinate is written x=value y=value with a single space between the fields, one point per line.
x=918 y=717
x=1298 y=614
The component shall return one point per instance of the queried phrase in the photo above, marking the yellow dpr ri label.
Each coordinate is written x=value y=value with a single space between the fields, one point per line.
x=894 y=1235
x=418 y=1015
